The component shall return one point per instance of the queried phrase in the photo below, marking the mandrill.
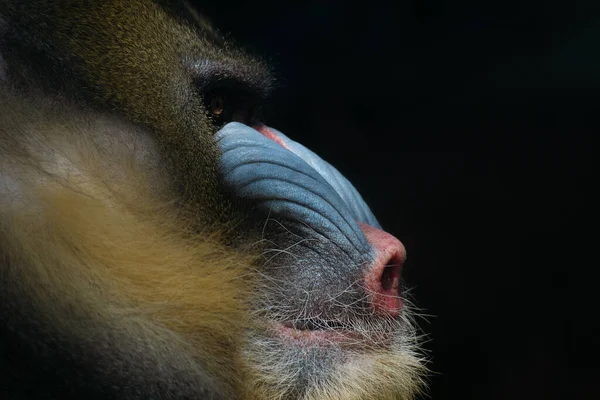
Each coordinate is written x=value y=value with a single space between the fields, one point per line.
x=158 y=241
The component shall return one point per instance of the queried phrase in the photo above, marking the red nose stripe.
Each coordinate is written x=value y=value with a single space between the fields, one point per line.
x=269 y=134
x=383 y=277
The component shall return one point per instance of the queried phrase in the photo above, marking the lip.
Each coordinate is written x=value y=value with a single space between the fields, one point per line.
x=334 y=336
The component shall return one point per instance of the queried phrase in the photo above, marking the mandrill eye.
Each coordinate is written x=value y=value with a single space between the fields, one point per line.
x=217 y=105
x=230 y=104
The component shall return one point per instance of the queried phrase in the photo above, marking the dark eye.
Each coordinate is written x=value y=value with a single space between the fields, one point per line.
x=217 y=105
x=225 y=105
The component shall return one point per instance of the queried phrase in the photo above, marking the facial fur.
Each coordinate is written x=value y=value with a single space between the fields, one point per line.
x=152 y=248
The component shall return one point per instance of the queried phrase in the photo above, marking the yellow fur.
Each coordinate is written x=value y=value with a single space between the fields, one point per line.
x=376 y=375
x=118 y=247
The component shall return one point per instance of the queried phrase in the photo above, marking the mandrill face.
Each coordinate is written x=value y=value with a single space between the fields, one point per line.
x=159 y=241
x=333 y=324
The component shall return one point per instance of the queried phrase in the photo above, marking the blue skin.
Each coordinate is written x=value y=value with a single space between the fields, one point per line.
x=295 y=185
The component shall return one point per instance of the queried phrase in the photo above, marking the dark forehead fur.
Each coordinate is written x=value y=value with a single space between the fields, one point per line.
x=183 y=35
x=223 y=66
x=185 y=13
x=151 y=61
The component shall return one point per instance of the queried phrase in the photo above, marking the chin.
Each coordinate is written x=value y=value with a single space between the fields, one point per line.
x=376 y=359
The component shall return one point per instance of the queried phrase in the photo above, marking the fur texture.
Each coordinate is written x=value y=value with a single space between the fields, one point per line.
x=126 y=270
x=91 y=234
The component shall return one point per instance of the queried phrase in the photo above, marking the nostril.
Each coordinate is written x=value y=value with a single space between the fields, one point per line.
x=385 y=286
x=389 y=277
x=382 y=278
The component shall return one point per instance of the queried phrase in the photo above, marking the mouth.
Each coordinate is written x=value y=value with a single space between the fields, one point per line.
x=323 y=333
x=315 y=332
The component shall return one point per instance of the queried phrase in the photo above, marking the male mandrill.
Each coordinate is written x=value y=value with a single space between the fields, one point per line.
x=158 y=241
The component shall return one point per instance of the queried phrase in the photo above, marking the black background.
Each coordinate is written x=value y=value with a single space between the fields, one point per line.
x=467 y=126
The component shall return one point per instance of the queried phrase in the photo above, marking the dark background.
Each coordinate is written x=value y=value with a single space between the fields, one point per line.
x=467 y=126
